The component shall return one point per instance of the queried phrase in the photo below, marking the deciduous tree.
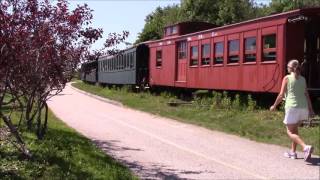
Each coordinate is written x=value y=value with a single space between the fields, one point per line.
x=41 y=44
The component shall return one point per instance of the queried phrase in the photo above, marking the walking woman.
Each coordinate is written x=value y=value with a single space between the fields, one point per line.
x=297 y=107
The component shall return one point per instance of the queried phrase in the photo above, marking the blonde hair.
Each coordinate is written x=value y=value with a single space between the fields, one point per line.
x=295 y=66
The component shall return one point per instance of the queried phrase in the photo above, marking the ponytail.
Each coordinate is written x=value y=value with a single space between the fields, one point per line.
x=296 y=68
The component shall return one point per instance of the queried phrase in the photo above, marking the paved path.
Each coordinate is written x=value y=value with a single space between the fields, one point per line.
x=161 y=148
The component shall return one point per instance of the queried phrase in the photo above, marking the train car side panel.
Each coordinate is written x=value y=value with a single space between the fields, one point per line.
x=271 y=66
x=162 y=64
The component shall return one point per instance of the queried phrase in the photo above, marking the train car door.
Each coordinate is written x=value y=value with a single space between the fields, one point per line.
x=312 y=54
x=181 y=61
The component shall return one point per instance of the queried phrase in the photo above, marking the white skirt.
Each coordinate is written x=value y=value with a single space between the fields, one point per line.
x=295 y=115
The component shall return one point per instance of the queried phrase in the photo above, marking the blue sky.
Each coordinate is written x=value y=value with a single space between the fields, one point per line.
x=118 y=15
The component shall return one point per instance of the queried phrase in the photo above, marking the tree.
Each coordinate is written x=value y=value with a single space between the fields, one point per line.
x=219 y=12
x=155 y=22
x=40 y=47
x=204 y=10
x=278 y=6
x=233 y=11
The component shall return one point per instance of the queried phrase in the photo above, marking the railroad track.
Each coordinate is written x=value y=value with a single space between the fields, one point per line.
x=311 y=122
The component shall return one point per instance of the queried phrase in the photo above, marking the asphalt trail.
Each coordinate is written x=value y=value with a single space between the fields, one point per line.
x=160 y=148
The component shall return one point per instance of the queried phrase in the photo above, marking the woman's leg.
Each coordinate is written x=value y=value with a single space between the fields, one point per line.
x=292 y=131
x=294 y=144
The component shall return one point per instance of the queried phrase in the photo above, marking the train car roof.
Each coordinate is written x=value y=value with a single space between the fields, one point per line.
x=127 y=50
x=305 y=11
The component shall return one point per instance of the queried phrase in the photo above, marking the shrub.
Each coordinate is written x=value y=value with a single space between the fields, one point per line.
x=167 y=95
x=126 y=88
x=236 y=103
x=226 y=101
x=252 y=104
x=216 y=99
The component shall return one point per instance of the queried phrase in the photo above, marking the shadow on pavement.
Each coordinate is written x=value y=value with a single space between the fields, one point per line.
x=314 y=161
x=150 y=171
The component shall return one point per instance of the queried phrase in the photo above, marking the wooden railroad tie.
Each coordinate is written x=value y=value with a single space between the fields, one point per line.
x=311 y=122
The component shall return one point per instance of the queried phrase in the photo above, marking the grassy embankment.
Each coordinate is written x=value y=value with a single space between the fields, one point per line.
x=257 y=124
x=63 y=154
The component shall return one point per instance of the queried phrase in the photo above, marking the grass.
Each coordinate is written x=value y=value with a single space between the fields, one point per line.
x=63 y=154
x=259 y=125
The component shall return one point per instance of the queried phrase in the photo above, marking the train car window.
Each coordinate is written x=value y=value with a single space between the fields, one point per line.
x=233 y=51
x=168 y=31
x=182 y=49
x=171 y=30
x=134 y=55
x=108 y=67
x=269 y=47
x=194 y=56
x=101 y=65
x=250 y=49
x=269 y=41
x=102 y=68
x=112 y=64
x=218 y=53
x=128 y=61
x=205 y=54
x=107 y=64
x=115 y=63
x=159 y=58
x=121 y=62
x=124 y=61
x=174 y=30
x=131 y=60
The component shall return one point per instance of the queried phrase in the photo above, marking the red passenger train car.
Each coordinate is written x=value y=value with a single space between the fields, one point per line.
x=247 y=56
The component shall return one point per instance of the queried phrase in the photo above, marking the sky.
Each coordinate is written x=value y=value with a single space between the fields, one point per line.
x=118 y=15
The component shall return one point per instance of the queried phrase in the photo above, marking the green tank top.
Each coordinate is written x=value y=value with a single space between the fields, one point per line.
x=295 y=96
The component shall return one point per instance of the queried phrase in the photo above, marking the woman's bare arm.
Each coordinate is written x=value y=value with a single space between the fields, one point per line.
x=281 y=93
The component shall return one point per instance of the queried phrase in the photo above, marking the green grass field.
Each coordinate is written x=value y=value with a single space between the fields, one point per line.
x=259 y=125
x=63 y=154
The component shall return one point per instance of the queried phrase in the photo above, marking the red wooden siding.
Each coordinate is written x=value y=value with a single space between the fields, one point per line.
x=261 y=71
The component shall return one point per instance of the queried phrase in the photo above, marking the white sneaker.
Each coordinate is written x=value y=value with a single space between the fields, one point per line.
x=291 y=155
x=307 y=152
